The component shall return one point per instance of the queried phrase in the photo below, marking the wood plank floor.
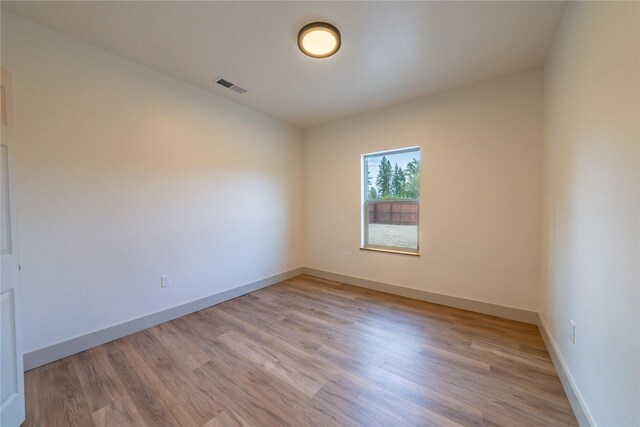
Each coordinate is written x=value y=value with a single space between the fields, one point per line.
x=309 y=352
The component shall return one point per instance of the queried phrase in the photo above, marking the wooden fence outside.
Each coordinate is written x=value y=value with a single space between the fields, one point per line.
x=392 y=212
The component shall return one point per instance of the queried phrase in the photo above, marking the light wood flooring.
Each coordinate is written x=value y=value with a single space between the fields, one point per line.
x=309 y=352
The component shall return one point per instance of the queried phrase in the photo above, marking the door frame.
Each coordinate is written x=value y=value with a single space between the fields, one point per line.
x=12 y=410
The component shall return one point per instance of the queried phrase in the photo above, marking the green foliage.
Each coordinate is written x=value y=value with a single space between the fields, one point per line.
x=394 y=182
x=383 y=180
x=397 y=182
x=411 y=188
x=413 y=168
x=373 y=194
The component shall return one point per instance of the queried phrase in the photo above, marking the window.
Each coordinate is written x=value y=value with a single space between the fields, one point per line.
x=391 y=192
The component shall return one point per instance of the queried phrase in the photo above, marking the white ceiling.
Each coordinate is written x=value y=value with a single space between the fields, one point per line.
x=391 y=51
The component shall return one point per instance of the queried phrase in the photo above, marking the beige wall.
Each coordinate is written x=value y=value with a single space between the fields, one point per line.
x=592 y=213
x=481 y=192
x=124 y=174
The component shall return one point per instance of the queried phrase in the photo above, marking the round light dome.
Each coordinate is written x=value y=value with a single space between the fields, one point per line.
x=319 y=40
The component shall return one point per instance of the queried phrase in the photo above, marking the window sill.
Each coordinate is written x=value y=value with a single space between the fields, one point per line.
x=391 y=251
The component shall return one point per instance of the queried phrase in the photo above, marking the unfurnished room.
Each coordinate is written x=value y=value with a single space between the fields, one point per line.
x=320 y=213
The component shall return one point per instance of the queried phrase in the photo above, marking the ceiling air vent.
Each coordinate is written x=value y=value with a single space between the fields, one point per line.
x=226 y=83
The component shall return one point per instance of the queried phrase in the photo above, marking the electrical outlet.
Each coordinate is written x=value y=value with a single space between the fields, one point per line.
x=572 y=331
x=349 y=256
x=165 y=281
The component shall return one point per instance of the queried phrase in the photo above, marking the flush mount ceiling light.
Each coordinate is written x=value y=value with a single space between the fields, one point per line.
x=319 y=40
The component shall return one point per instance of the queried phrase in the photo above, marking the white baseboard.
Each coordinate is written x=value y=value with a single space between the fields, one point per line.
x=51 y=353
x=570 y=389
x=532 y=317
x=75 y=345
x=506 y=312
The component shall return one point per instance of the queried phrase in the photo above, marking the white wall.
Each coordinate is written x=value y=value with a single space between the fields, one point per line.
x=124 y=174
x=592 y=137
x=481 y=157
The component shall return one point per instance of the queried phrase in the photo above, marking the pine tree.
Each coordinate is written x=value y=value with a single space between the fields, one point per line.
x=412 y=185
x=397 y=182
x=383 y=180
x=413 y=167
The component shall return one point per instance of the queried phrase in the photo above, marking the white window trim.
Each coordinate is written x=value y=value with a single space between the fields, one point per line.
x=364 y=219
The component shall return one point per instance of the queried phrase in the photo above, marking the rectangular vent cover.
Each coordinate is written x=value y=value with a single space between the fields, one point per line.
x=226 y=83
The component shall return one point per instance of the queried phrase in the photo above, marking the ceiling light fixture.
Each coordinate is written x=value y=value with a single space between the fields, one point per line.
x=319 y=40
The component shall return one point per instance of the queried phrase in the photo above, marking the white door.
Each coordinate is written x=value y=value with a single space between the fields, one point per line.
x=11 y=370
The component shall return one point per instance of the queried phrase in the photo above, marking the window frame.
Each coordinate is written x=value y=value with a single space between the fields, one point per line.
x=364 y=243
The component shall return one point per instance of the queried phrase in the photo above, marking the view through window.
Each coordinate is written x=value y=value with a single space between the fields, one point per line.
x=391 y=195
